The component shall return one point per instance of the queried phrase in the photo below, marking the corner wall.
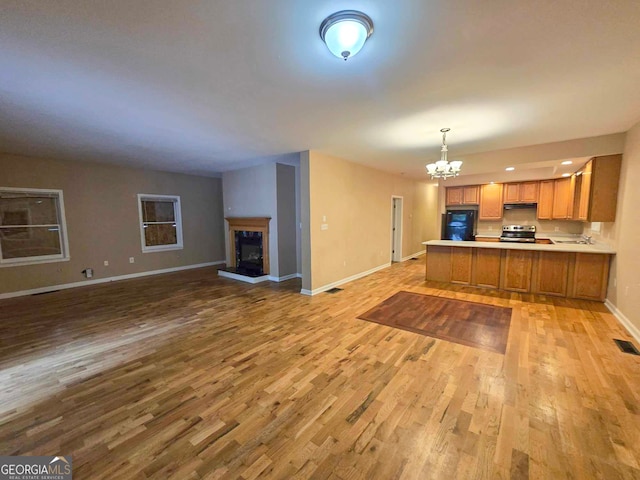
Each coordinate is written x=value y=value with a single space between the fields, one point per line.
x=101 y=207
x=354 y=202
x=623 y=234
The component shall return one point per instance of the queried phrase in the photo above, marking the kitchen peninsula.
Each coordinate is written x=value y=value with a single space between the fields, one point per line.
x=564 y=270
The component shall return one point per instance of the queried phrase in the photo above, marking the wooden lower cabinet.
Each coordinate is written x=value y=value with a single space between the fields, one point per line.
x=562 y=274
x=439 y=263
x=516 y=270
x=550 y=274
x=461 y=265
x=486 y=267
x=590 y=276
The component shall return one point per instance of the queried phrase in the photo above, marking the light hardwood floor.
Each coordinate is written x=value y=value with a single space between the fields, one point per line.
x=187 y=375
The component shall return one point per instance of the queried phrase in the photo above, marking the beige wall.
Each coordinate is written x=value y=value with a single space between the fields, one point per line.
x=355 y=202
x=527 y=216
x=286 y=201
x=305 y=220
x=623 y=234
x=101 y=208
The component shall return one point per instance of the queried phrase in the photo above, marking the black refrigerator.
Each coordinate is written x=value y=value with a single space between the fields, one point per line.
x=459 y=225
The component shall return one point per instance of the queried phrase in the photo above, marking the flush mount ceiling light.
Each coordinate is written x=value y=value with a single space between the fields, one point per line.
x=345 y=32
x=443 y=168
x=510 y=169
x=567 y=162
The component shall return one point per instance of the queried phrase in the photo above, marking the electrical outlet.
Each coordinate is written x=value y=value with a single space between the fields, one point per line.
x=626 y=290
x=132 y=260
x=106 y=263
x=324 y=226
x=556 y=229
x=344 y=264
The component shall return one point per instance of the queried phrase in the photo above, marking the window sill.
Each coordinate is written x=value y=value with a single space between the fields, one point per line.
x=162 y=249
x=33 y=262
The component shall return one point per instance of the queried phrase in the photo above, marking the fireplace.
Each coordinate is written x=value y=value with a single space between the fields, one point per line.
x=249 y=258
x=249 y=245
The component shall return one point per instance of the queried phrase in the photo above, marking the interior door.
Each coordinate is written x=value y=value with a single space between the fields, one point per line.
x=396 y=229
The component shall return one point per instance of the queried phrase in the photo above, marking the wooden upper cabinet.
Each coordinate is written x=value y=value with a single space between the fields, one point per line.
x=545 y=199
x=524 y=192
x=468 y=195
x=455 y=195
x=585 y=191
x=511 y=192
x=490 y=202
x=563 y=193
x=599 y=189
x=471 y=195
x=529 y=192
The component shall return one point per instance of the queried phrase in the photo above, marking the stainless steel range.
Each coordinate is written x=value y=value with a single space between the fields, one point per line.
x=518 y=233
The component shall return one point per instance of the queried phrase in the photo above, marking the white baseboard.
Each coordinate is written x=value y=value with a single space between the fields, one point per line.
x=263 y=278
x=243 y=278
x=64 y=286
x=324 y=288
x=421 y=252
x=285 y=278
x=624 y=321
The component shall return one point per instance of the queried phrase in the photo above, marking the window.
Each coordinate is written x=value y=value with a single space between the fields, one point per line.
x=160 y=222
x=32 y=226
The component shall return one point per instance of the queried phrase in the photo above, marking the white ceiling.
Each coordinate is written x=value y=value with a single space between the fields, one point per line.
x=203 y=87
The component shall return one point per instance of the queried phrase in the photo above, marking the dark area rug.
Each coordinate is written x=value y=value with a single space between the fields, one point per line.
x=467 y=323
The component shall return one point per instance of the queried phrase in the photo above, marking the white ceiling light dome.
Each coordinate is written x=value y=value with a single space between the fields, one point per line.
x=345 y=32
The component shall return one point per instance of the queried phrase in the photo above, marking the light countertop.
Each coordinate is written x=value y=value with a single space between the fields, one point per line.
x=556 y=247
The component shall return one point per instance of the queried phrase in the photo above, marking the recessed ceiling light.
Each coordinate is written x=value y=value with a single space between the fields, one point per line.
x=566 y=174
x=491 y=183
x=510 y=169
x=567 y=162
x=345 y=32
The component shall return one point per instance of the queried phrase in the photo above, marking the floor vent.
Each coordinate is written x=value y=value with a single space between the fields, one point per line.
x=626 y=346
x=334 y=290
x=413 y=259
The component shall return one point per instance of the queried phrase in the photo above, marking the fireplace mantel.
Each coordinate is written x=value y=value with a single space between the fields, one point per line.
x=249 y=224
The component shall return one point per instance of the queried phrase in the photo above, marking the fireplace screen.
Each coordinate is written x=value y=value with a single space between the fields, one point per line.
x=249 y=252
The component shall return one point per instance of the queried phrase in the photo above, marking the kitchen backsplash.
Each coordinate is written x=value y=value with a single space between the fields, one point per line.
x=527 y=216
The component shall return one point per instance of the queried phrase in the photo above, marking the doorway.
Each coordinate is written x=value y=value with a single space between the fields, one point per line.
x=396 y=229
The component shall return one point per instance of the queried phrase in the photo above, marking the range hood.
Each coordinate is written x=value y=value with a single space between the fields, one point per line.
x=515 y=206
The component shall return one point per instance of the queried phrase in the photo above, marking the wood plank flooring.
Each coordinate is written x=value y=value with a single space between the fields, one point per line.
x=190 y=376
x=468 y=323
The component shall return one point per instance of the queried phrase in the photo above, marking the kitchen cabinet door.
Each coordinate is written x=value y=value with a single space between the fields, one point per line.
x=585 y=191
x=461 y=265
x=471 y=195
x=490 y=202
x=438 y=263
x=486 y=267
x=551 y=273
x=455 y=195
x=516 y=270
x=563 y=198
x=590 y=276
x=545 y=199
x=511 y=192
x=528 y=192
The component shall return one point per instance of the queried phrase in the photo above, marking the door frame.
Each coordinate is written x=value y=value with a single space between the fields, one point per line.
x=397 y=255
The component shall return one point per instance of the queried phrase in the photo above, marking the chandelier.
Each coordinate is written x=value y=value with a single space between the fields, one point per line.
x=443 y=168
